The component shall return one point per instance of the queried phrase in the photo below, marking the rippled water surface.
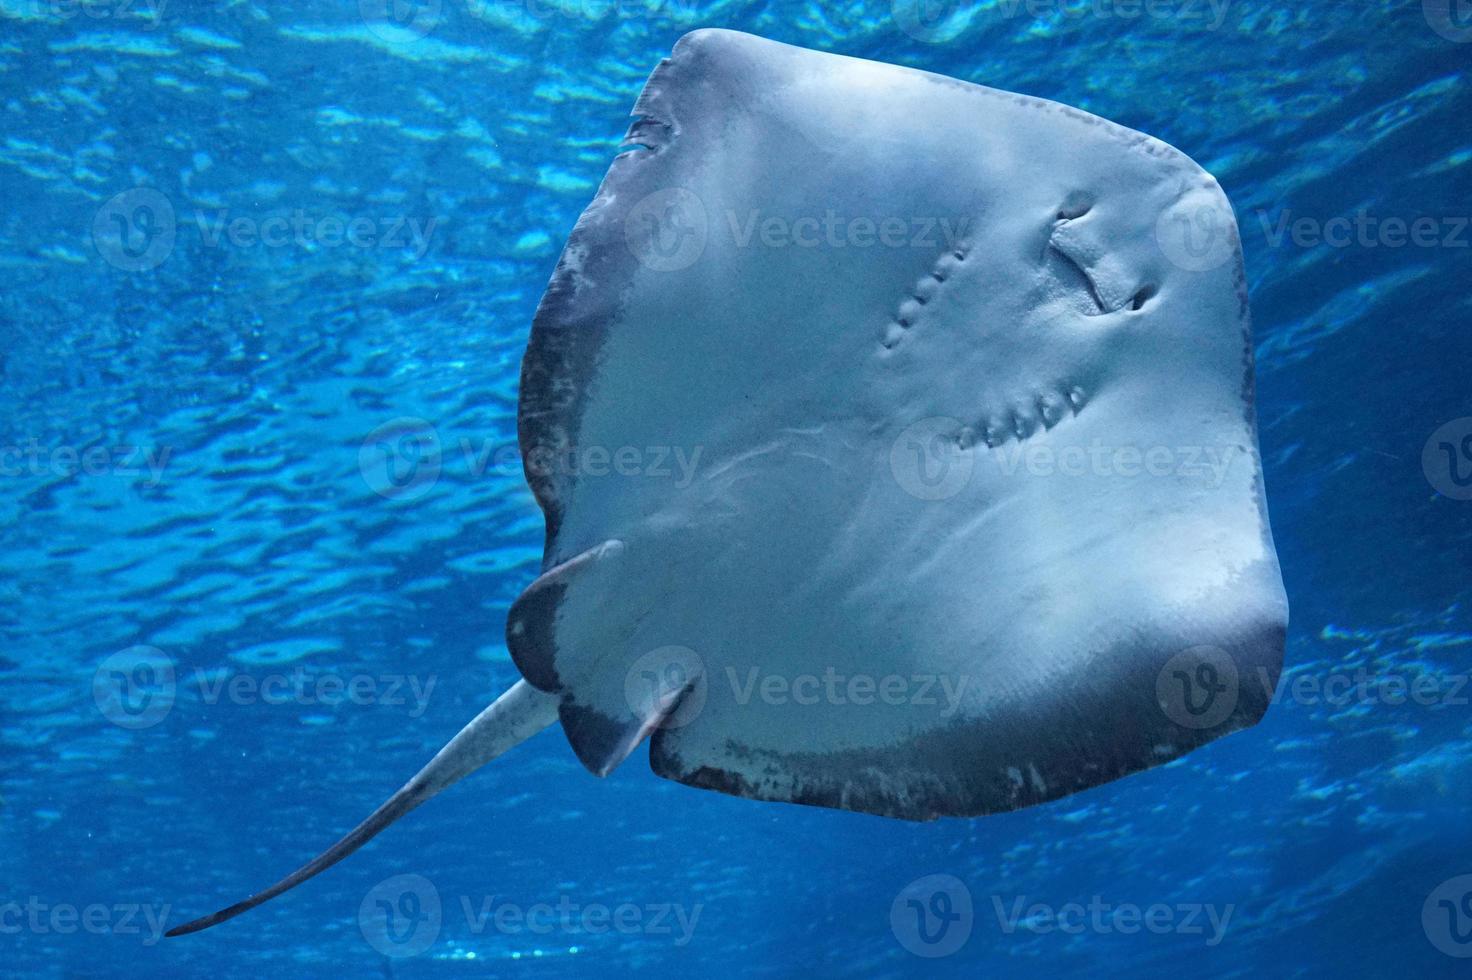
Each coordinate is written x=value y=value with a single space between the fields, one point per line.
x=184 y=412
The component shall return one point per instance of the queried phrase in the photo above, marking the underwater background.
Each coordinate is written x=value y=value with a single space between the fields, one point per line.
x=229 y=626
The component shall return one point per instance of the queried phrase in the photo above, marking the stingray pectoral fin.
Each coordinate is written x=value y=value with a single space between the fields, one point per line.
x=514 y=717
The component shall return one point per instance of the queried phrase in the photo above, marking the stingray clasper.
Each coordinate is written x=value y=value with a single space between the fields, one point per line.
x=978 y=517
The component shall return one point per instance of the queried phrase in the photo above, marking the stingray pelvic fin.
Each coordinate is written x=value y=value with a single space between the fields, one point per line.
x=531 y=623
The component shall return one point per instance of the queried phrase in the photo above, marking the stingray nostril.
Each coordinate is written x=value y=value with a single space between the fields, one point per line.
x=1141 y=296
x=1076 y=205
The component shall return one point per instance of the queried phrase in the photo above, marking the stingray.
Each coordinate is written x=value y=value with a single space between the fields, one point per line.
x=974 y=517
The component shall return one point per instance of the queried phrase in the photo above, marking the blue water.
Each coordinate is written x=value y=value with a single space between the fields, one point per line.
x=182 y=426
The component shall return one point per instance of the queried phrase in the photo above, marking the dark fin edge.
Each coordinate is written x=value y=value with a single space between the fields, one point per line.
x=568 y=328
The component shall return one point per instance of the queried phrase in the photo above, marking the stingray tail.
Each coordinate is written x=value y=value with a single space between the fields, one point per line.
x=514 y=717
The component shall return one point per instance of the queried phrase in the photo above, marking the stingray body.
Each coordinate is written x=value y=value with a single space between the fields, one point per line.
x=972 y=513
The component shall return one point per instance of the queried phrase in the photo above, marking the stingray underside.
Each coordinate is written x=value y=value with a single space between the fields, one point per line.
x=896 y=443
